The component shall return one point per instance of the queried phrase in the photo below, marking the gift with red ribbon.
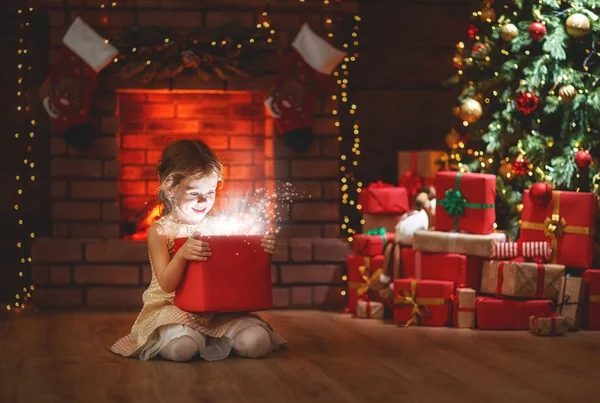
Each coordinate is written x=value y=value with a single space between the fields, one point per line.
x=467 y=202
x=508 y=314
x=368 y=309
x=383 y=198
x=482 y=245
x=567 y=222
x=548 y=325
x=422 y=302
x=592 y=284
x=517 y=278
x=372 y=242
x=464 y=308
x=459 y=269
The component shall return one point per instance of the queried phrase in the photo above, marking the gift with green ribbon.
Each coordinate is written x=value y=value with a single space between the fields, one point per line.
x=468 y=203
x=372 y=242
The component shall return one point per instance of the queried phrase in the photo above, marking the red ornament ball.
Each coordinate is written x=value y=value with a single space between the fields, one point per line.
x=537 y=30
x=527 y=102
x=540 y=194
x=583 y=159
x=520 y=167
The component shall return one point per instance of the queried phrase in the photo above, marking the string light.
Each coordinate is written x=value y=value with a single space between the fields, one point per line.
x=28 y=127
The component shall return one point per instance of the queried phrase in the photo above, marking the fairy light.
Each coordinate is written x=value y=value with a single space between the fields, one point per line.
x=28 y=128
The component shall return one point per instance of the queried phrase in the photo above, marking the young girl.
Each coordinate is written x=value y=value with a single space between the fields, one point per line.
x=188 y=174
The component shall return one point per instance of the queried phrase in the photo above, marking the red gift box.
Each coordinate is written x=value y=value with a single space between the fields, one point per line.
x=463 y=271
x=592 y=283
x=424 y=302
x=236 y=277
x=373 y=242
x=383 y=198
x=467 y=204
x=567 y=222
x=509 y=314
x=363 y=278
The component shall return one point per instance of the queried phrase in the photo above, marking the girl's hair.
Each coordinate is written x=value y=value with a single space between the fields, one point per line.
x=182 y=159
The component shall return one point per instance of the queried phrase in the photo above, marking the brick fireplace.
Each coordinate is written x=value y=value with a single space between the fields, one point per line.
x=90 y=261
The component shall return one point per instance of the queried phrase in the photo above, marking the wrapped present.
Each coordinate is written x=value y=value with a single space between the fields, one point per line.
x=418 y=168
x=454 y=242
x=461 y=270
x=383 y=198
x=508 y=314
x=227 y=282
x=570 y=301
x=548 y=325
x=424 y=302
x=464 y=308
x=368 y=309
x=529 y=250
x=521 y=279
x=567 y=221
x=364 y=277
x=375 y=221
x=402 y=260
x=467 y=204
x=372 y=242
x=408 y=224
x=592 y=284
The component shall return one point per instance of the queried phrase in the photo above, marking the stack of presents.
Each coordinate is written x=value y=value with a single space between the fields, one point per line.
x=430 y=255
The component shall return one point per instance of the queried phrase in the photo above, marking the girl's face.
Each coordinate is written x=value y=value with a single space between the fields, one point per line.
x=194 y=197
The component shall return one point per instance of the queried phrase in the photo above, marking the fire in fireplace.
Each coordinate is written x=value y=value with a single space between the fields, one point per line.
x=233 y=123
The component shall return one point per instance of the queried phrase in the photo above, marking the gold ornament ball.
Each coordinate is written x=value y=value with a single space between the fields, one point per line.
x=578 y=25
x=488 y=14
x=505 y=169
x=470 y=111
x=567 y=93
x=509 y=32
x=452 y=138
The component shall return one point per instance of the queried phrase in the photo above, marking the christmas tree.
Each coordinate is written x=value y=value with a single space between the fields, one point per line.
x=529 y=106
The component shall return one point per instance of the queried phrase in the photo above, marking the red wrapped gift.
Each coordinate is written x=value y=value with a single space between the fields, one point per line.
x=236 y=277
x=509 y=314
x=372 y=242
x=363 y=278
x=383 y=198
x=567 y=222
x=467 y=204
x=460 y=269
x=424 y=302
x=592 y=283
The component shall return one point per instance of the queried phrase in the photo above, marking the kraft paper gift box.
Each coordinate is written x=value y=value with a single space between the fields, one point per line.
x=570 y=301
x=369 y=309
x=464 y=308
x=422 y=302
x=463 y=271
x=548 y=325
x=236 y=277
x=567 y=222
x=507 y=314
x=465 y=202
x=423 y=164
x=383 y=198
x=364 y=277
x=454 y=242
x=521 y=279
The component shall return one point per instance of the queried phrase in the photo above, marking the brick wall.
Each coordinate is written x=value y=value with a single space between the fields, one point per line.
x=85 y=261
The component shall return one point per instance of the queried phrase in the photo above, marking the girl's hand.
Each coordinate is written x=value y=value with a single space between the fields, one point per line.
x=195 y=249
x=268 y=243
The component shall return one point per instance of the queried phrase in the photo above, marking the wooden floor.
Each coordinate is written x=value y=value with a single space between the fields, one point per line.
x=65 y=357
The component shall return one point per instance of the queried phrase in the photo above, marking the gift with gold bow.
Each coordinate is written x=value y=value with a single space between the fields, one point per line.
x=592 y=285
x=383 y=198
x=364 y=277
x=567 y=222
x=422 y=302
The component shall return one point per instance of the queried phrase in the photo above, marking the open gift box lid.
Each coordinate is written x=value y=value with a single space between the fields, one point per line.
x=236 y=278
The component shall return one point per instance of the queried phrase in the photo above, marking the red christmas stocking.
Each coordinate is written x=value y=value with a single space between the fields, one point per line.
x=67 y=92
x=293 y=95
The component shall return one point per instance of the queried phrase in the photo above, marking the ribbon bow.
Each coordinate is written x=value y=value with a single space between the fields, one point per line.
x=412 y=182
x=378 y=231
x=369 y=281
x=555 y=227
x=455 y=204
x=411 y=299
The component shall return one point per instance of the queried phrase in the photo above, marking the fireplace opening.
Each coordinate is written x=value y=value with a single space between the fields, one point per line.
x=233 y=123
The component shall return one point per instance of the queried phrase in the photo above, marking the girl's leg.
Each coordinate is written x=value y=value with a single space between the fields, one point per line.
x=252 y=342
x=181 y=349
